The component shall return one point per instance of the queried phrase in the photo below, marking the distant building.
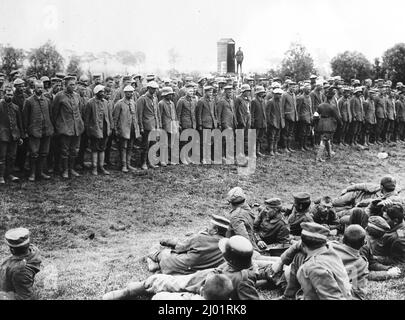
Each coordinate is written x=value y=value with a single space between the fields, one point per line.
x=226 y=56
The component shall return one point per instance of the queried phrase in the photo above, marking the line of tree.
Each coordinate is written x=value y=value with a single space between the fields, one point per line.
x=299 y=65
x=46 y=60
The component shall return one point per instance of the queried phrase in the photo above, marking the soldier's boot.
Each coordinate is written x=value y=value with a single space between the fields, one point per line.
x=275 y=148
x=366 y=139
x=72 y=170
x=319 y=154
x=33 y=169
x=305 y=140
x=143 y=161
x=271 y=147
x=41 y=167
x=301 y=144
x=124 y=167
x=65 y=168
x=343 y=140
x=289 y=146
x=328 y=149
x=94 y=158
x=130 y=168
x=2 y=172
x=132 y=290
x=101 y=158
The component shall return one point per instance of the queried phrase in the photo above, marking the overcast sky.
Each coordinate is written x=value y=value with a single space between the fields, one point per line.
x=263 y=28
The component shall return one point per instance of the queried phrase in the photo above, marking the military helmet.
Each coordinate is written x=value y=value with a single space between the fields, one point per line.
x=237 y=251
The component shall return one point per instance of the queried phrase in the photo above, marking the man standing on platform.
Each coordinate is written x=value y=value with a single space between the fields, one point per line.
x=239 y=60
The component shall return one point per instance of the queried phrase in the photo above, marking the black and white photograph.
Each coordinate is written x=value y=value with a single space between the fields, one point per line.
x=190 y=150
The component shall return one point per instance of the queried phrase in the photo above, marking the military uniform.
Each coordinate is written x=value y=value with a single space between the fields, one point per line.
x=394 y=245
x=381 y=115
x=17 y=272
x=68 y=124
x=304 y=111
x=356 y=266
x=241 y=223
x=37 y=121
x=11 y=130
x=369 y=117
x=259 y=121
x=98 y=123
x=359 y=192
x=323 y=276
x=289 y=106
x=185 y=110
x=390 y=121
x=327 y=217
x=296 y=218
x=22 y=150
x=400 y=111
x=126 y=126
x=346 y=115
x=275 y=122
x=356 y=109
x=271 y=230
x=170 y=122
x=243 y=282
x=197 y=252
x=149 y=119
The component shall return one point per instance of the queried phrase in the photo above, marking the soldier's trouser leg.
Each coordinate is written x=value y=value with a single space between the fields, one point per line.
x=321 y=150
x=145 y=147
x=337 y=138
x=84 y=143
x=73 y=151
x=270 y=138
x=359 y=217
x=133 y=289
x=123 y=148
x=401 y=130
x=64 y=149
x=108 y=149
x=343 y=133
x=54 y=155
x=260 y=134
x=11 y=152
x=284 y=136
x=291 y=134
x=3 y=155
x=33 y=146
x=292 y=282
x=345 y=200
x=21 y=155
x=390 y=130
x=378 y=131
x=328 y=148
x=276 y=133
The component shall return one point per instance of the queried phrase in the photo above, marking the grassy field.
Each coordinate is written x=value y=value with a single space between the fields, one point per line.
x=94 y=232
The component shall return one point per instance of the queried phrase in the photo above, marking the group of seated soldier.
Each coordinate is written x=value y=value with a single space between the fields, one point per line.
x=306 y=251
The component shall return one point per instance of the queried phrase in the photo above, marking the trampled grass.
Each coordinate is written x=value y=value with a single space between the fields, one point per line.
x=94 y=232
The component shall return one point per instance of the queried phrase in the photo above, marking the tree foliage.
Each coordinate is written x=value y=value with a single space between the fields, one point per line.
x=393 y=62
x=351 y=65
x=11 y=59
x=74 y=66
x=45 y=60
x=298 y=63
x=173 y=57
x=127 y=58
